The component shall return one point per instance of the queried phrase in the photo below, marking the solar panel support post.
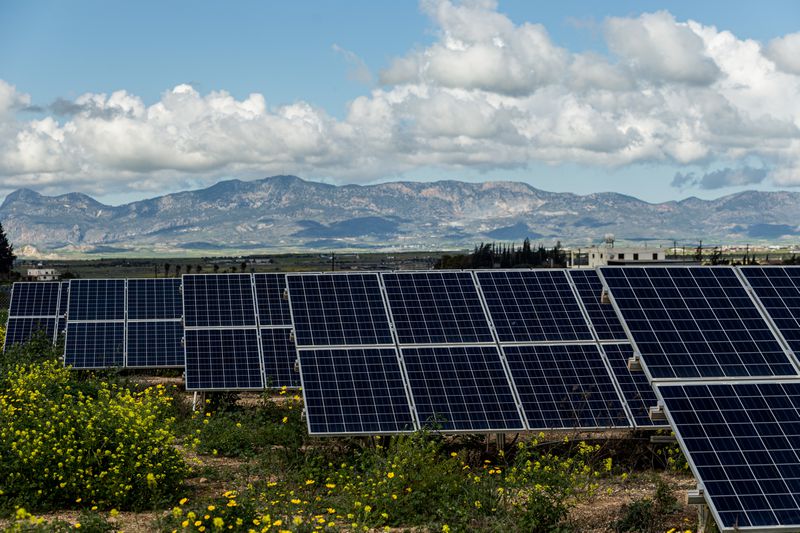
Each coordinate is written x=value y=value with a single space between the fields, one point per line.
x=198 y=401
x=697 y=497
x=500 y=441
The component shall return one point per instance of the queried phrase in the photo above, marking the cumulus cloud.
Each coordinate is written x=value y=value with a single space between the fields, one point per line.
x=487 y=94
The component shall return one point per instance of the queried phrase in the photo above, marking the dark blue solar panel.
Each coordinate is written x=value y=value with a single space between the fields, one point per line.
x=565 y=386
x=62 y=327
x=778 y=288
x=354 y=390
x=695 y=323
x=95 y=344
x=636 y=390
x=34 y=299
x=218 y=300
x=63 y=299
x=226 y=359
x=20 y=330
x=96 y=299
x=602 y=316
x=461 y=388
x=273 y=308
x=338 y=310
x=533 y=305
x=153 y=299
x=744 y=443
x=279 y=358
x=436 y=307
x=155 y=344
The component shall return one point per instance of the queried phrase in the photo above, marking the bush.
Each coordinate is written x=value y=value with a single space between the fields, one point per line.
x=648 y=514
x=65 y=443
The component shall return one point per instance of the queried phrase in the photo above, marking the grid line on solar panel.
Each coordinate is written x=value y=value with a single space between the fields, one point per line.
x=154 y=344
x=96 y=300
x=218 y=300
x=354 y=391
x=63 y=299
x=695 y=322
x=95 y=345
x=602 y=317
x=461 y=389
x=441 y=307
x=279 y=358
x=154 y=299
x=34 y=299
x=743 y=443
x=778 y=290
x=533 y=306
x=223 y=359
x=273 y=308
x=636 y=390
x=565 y=386
x=338 y=310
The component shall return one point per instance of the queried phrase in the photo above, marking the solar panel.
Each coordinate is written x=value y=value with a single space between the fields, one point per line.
x=279 y=358
x=222 y=359
x=695 y=323
x=34 y=299
x=461 y=388
x=338 y=310
x=354 y=391
x=273 y=308
x=636 y=390
x=602 y=316
x=778 y=289
x=95 y=345
x=533 y=305
x=154 y=299
x=21 y=329
x=218 y=300
x=155 y=344
x=565 y=386
x=96 y=299
x=63 y=300
x=436 y=307
x=743 y=443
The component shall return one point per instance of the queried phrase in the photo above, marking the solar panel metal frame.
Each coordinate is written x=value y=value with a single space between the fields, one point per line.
x=690 y=460
x=122 y=321
x=55 y=316
x=763 y=307
x=676 y=380
x=254 y=327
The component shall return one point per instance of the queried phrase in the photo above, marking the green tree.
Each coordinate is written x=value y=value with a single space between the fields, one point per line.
x=7 y=256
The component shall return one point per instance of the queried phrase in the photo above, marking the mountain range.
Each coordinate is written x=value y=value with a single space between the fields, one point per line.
x=286 y=213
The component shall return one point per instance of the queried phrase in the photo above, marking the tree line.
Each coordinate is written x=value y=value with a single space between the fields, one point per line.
x=492 y=255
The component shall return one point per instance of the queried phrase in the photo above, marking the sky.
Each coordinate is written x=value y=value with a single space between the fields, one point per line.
x=659 y=100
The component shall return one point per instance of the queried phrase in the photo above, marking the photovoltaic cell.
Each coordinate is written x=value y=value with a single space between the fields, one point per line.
x=21 y=329
x=279 y=358
x=533 y=305
x=695 y=322
x=354 y=390
x=636 y=390
x=743 y=441
x=436 y=307
x=565 y=386
x=338 y=310
x=154 y=299
x=273 y=308
x=602 y=316
x=778 y=289
x=95 y=345
x=96 y=299
x=34 y=299
x=461 y=388
x=64 y=299
x=222 y=359
x=218 y=300
x=155 y=344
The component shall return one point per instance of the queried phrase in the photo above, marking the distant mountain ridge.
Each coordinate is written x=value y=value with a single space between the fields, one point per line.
x=288 y=213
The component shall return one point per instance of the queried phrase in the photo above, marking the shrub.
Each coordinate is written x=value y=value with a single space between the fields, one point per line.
x=66 y=443
x=648 y=514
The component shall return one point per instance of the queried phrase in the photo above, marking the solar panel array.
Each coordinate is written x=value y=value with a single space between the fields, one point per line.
x=154 y=332
x=95 y=324
x=34 y=308
x=778 y=290
x=602 y=317
x=275 y=327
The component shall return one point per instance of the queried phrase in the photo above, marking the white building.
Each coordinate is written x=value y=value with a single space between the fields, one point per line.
x=43 y=274
x=624 y=255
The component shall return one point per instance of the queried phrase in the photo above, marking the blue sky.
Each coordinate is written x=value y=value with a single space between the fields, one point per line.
x=321 y=56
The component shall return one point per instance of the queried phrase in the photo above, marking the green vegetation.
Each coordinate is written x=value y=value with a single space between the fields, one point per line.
x=491 y=255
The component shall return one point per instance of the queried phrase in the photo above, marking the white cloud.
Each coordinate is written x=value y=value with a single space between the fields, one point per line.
x=487 y=94
x=785 y=52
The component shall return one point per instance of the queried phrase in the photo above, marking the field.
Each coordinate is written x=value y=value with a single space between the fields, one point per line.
x=116 y=451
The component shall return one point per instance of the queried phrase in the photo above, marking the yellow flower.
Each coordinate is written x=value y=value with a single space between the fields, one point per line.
x=77 y=525
x=295 y=501
x=113 y=513
x=297 y=520
x=285 y=419
x=390 y=475
x=309 y=482
x=367 y=508
x=330 y=485
x=183 y=501
x=211 y=507
x=445 y=529
x=277 y=523
x=218 y=522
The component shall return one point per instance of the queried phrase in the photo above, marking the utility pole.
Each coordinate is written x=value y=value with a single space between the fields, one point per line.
x=333 y=262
